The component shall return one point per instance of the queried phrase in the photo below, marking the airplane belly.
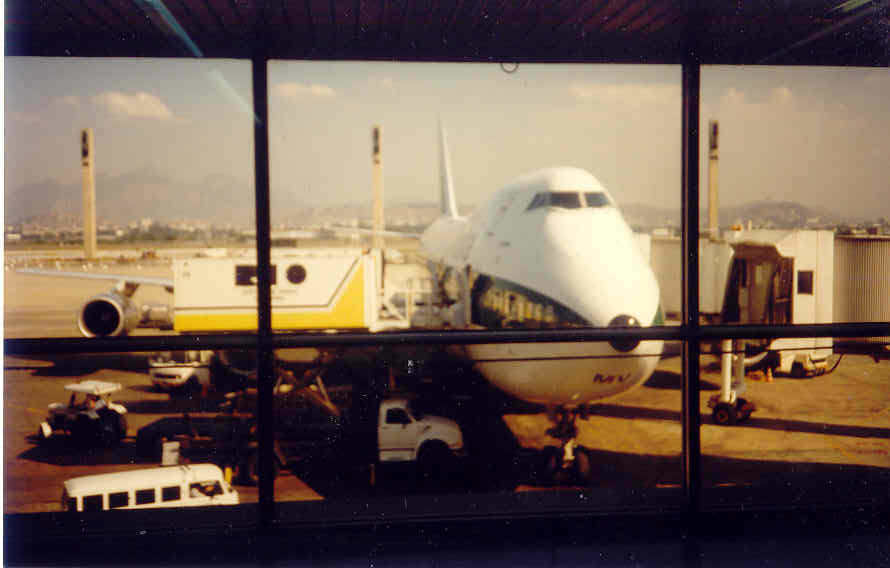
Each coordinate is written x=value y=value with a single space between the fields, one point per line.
x=571 y=373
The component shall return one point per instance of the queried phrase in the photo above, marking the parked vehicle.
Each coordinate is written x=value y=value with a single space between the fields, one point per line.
x=173 y=486
x=90 y=417
x=180 y=370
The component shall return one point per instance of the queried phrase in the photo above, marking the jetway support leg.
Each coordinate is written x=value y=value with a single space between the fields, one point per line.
x=729 y=408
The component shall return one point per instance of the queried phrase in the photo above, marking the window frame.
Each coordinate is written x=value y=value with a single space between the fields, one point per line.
x=265 y=343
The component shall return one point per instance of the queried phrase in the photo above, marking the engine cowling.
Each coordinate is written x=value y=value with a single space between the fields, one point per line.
x=108 y=315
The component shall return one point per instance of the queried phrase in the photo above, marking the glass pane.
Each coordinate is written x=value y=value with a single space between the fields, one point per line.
x=165 y=149
x=793 y=167
x=780 y=428
x=133 y=417
x=528 y=210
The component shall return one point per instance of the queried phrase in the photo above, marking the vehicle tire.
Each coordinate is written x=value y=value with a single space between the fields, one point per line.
x=84 y=431
x=725 y=414
x=583 y=469
x=41 y=437
x=122 y=426
x=108 y=428
x=743 y=415
x=797 y=371
x=433 y=462
x=192 y=388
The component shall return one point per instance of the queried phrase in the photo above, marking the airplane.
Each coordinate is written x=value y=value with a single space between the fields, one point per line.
x=550 y=250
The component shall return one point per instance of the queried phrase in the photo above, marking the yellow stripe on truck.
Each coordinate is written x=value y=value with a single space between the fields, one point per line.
x=348 y=310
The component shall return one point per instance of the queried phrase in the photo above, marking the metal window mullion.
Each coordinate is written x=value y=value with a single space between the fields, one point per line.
x=265 y=353
x=691 y=82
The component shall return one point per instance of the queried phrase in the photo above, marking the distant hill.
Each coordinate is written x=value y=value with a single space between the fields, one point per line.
x=221 y=199
x=764 y=213
x=133 y=196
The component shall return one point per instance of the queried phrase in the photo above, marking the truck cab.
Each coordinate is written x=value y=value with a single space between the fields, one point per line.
x=405 y=434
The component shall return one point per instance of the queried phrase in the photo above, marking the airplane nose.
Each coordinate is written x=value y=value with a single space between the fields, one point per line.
x=624 y=344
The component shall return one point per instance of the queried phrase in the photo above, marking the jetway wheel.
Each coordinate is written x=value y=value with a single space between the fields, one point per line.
x=725 y=414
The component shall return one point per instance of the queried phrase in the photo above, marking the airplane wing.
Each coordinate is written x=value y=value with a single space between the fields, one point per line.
x=166 y=283
x=363 y=231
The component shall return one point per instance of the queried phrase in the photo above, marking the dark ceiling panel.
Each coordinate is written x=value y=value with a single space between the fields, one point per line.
x=820 y=32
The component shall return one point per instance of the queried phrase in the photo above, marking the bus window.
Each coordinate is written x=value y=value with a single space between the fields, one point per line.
x=145 y=496
x=171 y=493
x=92 y=503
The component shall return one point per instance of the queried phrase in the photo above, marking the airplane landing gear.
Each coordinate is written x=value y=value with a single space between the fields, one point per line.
x=569 y=463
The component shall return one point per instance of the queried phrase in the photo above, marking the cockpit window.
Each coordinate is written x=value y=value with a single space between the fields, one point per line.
x=564 y=199
x=596 y=199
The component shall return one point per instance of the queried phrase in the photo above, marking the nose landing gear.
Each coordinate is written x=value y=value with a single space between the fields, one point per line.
x=569 y=463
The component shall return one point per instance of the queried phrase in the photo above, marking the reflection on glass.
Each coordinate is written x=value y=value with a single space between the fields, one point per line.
x=105 y=431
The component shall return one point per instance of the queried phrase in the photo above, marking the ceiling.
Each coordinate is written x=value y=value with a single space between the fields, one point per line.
x=808 y=32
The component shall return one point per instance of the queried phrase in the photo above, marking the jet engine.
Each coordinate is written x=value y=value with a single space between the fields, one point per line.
x=112 y=314
x=108 y=315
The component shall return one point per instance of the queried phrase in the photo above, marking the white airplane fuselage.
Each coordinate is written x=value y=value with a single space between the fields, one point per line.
x=551 y=250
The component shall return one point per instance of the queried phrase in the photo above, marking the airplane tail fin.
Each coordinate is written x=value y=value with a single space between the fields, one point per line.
x=447 y=201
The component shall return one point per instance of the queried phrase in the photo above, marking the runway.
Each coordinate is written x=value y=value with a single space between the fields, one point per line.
x=827 y=431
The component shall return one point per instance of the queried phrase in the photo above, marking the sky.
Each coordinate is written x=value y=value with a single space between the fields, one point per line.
x=814 y=135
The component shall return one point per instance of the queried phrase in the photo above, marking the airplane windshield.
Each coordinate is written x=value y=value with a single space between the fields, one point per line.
x=564 y=199
x=596 y=199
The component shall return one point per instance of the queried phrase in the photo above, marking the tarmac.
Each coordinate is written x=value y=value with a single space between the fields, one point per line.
x=811 y=438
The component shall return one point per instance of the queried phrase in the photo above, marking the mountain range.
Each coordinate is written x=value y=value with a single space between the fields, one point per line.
x=221 y=199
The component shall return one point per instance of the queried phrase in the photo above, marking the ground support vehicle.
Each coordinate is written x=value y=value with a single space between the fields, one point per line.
x=180 y=370
x=196 y=485
x=90 y=417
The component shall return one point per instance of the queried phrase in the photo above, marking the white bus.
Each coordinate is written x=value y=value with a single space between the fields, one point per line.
x=172 y=486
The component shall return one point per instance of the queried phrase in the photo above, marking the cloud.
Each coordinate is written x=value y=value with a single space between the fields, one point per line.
x=136 y=105
x=631 y=93
x=294 y=90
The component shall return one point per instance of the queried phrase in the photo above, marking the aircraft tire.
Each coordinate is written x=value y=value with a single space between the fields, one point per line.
x=551 y=460
x=583 y=469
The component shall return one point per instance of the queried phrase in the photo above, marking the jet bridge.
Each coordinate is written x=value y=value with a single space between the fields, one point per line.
x=783 y=277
